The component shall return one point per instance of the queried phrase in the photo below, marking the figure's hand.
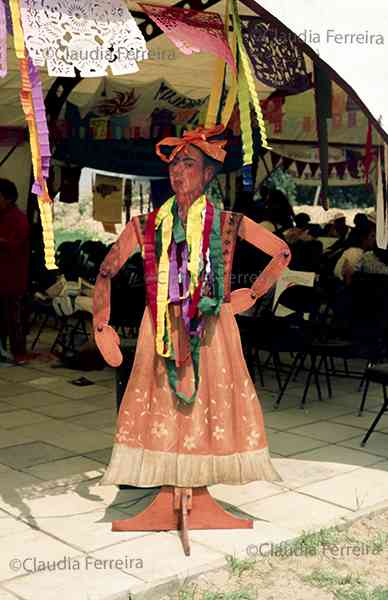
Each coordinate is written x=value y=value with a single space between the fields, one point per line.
x=108 y=343
x=242 y=300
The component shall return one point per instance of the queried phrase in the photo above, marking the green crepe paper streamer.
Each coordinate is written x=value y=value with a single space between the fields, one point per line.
x=195 y=343
x=178 y=231
x=209 y=306
x=216 y=257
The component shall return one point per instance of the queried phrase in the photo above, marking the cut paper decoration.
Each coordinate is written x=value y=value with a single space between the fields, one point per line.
x=276 y=59
x=3 y=40
x=192 y=31
x=89 y=36
x=107 y=199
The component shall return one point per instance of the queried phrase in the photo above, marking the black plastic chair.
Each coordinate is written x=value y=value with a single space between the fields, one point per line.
x=292 y=334
x=377 y=374
x=367 y=327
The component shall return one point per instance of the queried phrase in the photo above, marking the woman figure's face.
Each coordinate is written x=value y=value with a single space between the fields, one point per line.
x=188 y=174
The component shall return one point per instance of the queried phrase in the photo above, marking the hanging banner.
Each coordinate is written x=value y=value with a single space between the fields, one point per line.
x=192 y=31
x=83 y=35
x=108 y=199
x=119 y=111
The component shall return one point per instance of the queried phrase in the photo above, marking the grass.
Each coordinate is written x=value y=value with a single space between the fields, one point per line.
x=191 y=594
x=362 y=594
x=345 y=587
x=330 y=580
x=239 y=566
x=308 y=544
x=241 y=595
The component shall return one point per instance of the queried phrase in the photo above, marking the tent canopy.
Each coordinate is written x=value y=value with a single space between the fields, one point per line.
x=358 y=71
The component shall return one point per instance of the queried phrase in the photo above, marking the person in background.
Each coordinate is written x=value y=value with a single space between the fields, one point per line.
x=278 y=213
x=315 y=230
x=337 y=227
x=360 y=225
x=351 y=257
x=14 y=258
x=301 y=230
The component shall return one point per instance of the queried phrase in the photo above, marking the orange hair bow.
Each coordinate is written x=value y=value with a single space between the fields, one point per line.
x=198 y=137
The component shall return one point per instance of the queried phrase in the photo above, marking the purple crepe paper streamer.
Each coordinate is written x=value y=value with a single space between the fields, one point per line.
x=41 y=123
x=185 y=277
x=8 y=17
x=173 y=282
x=3 y=40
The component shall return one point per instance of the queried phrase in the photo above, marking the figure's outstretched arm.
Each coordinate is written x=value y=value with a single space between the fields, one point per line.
x=107 y=339
x=269 y=243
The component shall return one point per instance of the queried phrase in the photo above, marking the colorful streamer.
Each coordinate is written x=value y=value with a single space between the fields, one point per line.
x=196 y=283
x=31 y=97
x=248 y=94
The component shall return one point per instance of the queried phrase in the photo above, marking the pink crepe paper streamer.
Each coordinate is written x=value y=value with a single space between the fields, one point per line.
x=192 y=31
x=3 y=40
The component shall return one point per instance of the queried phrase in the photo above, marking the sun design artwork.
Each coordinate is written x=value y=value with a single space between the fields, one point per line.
x=105 y=190
x=122 y=103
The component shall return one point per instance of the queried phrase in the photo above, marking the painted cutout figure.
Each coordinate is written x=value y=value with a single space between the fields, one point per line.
x=190 y=415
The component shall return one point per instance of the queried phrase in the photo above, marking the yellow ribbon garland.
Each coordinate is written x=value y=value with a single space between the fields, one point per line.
x=194 y=237
x=163 y=317
x=165 y=219
x=194 y=229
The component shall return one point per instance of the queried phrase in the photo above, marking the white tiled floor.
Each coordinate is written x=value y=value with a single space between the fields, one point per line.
x=55 y=439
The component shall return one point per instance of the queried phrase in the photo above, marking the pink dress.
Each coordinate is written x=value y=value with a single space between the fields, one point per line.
x=221 y=437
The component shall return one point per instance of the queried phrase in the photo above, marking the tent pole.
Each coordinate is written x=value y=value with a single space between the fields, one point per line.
x=9 y=153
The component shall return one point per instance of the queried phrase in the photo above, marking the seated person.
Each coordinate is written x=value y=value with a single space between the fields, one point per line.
x=351 y=257
x=278 y=215
x=301 y=230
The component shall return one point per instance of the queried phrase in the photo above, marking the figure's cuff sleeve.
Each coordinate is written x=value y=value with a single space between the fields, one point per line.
x=113 y=262
x=269 y=243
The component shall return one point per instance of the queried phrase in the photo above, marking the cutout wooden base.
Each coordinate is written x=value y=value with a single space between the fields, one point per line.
x=182 y=509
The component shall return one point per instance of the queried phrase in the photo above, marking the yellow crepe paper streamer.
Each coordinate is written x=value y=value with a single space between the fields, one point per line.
x=194 y=237
x=162 y=315
x=232 y=93
x=44 y=201
x=245 y=119
x=215 y=97
x=46 y=217
x=247 y=68
x=18 y=36
x=165 y=219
